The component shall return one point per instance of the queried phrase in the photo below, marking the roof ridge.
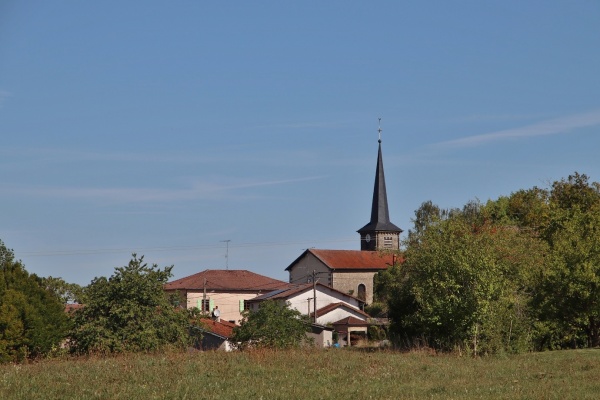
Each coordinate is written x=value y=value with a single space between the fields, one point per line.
x=226 y=279
x=333 y=306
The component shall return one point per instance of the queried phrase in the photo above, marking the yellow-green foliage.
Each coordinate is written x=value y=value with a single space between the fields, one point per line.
x=519 y=273
x=32 y=320
x=273 y=326
x=129 y=312
x=297 y=374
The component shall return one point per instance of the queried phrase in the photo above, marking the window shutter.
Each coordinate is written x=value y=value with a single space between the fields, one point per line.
x=199 y=304
x=211 y=305
x=241 y=305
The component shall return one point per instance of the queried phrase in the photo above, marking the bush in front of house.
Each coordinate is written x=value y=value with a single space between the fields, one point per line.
x=274 y=326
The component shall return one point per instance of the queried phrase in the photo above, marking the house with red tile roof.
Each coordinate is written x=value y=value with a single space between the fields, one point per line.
x=302 y=298
x=334 y=308
x=352 y=271
x=216 y=334
x=337 y=311
x=349 y=271
x=227 y=290
x=350 y=330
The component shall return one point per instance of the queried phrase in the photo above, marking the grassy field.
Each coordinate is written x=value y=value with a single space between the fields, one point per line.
x=328 y=374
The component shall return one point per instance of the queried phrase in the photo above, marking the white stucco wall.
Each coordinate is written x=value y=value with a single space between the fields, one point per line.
x=229 y=303
x=324 y=339
x=325 y=296
x=338 y=314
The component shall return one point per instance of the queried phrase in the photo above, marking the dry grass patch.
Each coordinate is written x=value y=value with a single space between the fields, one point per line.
x=300 y=374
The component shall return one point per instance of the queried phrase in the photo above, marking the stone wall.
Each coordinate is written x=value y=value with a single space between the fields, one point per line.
x=348 y=282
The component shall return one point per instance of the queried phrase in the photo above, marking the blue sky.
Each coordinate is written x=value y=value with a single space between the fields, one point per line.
x=165 y=128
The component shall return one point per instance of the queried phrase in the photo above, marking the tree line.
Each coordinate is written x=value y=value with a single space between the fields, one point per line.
x=127 y=312
x=519 y=273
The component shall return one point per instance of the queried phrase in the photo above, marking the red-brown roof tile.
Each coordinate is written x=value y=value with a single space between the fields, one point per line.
x=221 y=328
x=295 y=289
x=351 y=321
x=70 y=308
x=351 y=259
x=330 y=307
x=224 y=280
x=283 y=293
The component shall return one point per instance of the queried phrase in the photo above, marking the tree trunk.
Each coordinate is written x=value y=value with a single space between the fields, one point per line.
x=593 y=332
x=475 y=339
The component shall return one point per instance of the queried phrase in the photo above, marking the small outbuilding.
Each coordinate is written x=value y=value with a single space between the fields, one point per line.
x=350 y=330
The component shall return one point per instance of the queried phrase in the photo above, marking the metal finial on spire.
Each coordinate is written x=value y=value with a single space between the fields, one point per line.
x=380 y=217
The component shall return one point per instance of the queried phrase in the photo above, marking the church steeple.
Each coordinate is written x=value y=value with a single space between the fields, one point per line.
x=379 y=233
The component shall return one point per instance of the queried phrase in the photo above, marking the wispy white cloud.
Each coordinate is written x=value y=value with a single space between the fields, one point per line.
x=494 y=117
x=216 y=156
x=198 y=190
x=57 y=155
x=550 y=127
x=304 y=125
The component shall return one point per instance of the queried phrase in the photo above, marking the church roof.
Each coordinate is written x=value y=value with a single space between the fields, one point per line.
x=349 y=259
x=224 y=280
x=380 y=217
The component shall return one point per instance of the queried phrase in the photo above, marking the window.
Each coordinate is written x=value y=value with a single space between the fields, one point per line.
x=362 y=292
x=205 y=305
x=244 y=305
x=388 y=242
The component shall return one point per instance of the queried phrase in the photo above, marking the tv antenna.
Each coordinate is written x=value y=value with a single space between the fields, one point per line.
x=226 y=253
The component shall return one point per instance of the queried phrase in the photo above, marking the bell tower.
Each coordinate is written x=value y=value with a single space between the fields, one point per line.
x=379 y=233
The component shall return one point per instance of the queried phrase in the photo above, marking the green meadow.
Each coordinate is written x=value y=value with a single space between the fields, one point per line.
x=302 y=374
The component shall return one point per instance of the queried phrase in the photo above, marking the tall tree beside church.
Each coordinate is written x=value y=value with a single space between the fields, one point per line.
x=427 y=214
x=569 y=291
x=32 y=318
x=463 y=284
x=456 y=261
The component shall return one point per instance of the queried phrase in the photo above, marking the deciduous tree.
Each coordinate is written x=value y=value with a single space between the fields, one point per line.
x=65 y=291
x=129 y=312
x=463 y=284
x=274 y=326
x=569 y=292
x=32 y=319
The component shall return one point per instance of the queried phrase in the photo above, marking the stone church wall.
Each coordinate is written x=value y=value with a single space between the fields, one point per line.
x=349 y=281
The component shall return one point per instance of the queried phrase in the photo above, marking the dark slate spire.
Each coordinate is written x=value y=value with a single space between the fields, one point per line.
x=380 y=217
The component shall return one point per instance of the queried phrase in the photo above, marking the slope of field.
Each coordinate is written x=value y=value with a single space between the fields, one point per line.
x=329 y=374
